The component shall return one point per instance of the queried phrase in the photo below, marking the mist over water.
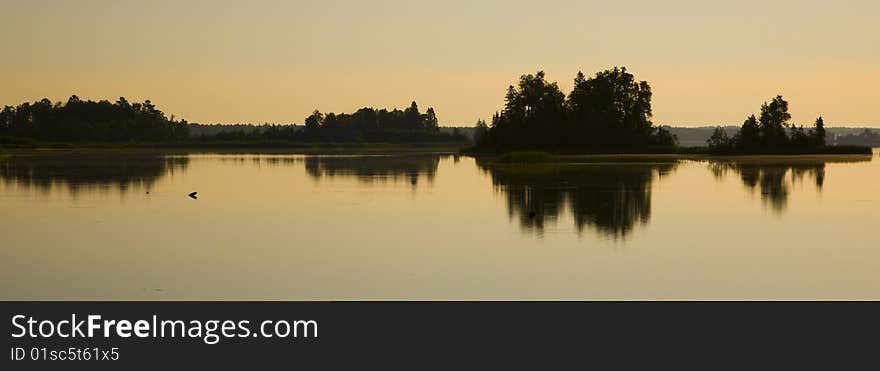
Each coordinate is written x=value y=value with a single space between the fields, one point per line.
x=105 y=225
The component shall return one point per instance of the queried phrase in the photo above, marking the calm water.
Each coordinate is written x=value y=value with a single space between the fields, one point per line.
x=93 y=225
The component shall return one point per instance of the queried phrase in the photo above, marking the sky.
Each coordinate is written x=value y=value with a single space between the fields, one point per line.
x=708 y=62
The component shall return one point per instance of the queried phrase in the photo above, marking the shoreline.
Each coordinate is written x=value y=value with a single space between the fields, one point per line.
x=633 y=159
x=449 y=150
x=268 y=148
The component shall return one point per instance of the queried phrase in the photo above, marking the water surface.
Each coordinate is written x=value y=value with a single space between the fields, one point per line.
x=119 y=225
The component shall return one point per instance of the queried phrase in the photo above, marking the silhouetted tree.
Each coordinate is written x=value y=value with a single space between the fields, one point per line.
x=819 y=132
x=773 y=122
x=313 y=123
x=798 y=138
x=480 y=132
x=613 y=109
x=749 y=136
x=533 y=112
x=412 y=116
x=719 y=141
x=663 y=137
x=430 y=120
x=608 y=111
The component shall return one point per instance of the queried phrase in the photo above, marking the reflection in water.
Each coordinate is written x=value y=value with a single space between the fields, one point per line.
x=370 y=169
x=263 y=226
x=611 y=199
x=259 y=160
x=775 y=178
x=99 y=170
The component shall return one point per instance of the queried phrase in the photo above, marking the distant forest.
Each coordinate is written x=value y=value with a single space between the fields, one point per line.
x=866 y=137
x=365 y=125
x=79 y=121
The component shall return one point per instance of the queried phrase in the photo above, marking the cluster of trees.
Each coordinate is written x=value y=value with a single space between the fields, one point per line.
x=370 y=125
x=89 y=121
x=609 y=111
x=769 y=133
x=364 y=125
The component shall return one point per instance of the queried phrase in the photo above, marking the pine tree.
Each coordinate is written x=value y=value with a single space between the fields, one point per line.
x=819 y=132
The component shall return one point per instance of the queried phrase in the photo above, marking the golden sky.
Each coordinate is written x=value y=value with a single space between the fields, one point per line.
x=708 y=62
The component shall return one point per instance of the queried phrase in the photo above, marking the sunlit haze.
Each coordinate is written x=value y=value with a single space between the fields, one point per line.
x=275 y=61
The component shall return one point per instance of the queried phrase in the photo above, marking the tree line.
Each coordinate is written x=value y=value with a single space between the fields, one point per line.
x=608 y=111
x=771 y=132
x=89 y=121
x=364 y=125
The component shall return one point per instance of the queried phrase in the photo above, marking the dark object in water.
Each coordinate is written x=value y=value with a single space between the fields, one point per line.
x=532 y=215
x=193 y=195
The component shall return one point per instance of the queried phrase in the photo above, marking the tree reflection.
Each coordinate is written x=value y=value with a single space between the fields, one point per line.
x=100 y=170
x=611 y=199
x=370 y=169
x=774 y=178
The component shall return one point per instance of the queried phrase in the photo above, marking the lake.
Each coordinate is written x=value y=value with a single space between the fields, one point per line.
x=408 y=226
